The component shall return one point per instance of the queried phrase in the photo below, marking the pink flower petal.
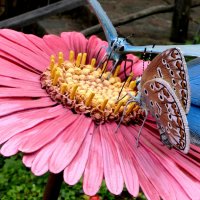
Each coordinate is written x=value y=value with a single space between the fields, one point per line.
x=93 y=174
x=67 y=38
x=10 y=69
x=74 y=171
x=28 y=159
x=137 y=67
x=19 y=92
x=17 y=51
x=145 y=158
x=51 y=40
x=11 y=146
x=48 y=133
x=94 y=46
x=175 y=156
x=126 y=163
x=21 y=39
x=17 y=83
x=10 y=124
x=70 y=142
x=186 y=182
x=149 y=190
x=75 y=41
x=40 y=164
x=9 y=105
x=112 y=170
x=40 y=43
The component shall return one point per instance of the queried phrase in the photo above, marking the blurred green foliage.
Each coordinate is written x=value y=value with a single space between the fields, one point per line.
x=18 y=183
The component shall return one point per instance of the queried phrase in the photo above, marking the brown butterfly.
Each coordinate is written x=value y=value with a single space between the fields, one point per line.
x=164 y=90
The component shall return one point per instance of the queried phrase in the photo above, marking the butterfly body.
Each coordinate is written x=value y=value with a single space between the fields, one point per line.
x=164 y=101
x=115 y=50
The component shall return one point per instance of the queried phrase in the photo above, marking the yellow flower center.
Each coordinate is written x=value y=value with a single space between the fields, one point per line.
x=85 y=89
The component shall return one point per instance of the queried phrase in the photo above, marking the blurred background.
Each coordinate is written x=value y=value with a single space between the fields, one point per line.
x=150 y=22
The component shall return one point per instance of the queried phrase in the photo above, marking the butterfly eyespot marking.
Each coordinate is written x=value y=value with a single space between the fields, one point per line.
x=171 y=72
x=151 y=85
x=160 y=97
x=174 y=88
x=151 y=103
x=169 y=116
x=166 y=105
x=167 y=66
x=164 y=61
x=169 y=125
x=145 y=91
x=174 y=82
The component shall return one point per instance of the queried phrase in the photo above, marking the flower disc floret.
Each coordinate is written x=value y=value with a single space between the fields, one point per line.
x=93 y=91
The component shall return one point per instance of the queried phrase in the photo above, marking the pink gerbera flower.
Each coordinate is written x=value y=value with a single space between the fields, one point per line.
x=63 y=117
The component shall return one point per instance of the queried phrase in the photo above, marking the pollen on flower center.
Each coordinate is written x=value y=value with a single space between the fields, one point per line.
x=84 y=89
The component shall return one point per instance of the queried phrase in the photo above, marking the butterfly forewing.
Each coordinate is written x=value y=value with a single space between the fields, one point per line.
x=171 y=66
x=164 y=105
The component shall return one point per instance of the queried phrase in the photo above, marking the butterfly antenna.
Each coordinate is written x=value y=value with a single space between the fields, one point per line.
x=150 y=54
x=143 y=57
x=140 y=131
x=116 y=63
x=103 y=60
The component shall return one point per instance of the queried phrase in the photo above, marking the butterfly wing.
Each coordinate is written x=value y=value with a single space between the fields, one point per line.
x=164 y=105
x=170 y=65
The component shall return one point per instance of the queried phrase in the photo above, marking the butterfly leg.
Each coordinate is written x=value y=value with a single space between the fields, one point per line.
x=140 y=131
x=123 y=115
x=113 y=68
x=103 y=60
x=125 y=66
x=103 y=47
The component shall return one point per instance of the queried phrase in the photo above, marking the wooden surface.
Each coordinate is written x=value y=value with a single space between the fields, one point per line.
x=32 y=16
x=180 y=21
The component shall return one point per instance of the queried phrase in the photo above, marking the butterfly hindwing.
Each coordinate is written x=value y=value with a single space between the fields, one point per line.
x=164 y=105
x=170 y=65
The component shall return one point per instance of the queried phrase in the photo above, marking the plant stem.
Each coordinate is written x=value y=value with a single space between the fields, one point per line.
x=53 y=186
